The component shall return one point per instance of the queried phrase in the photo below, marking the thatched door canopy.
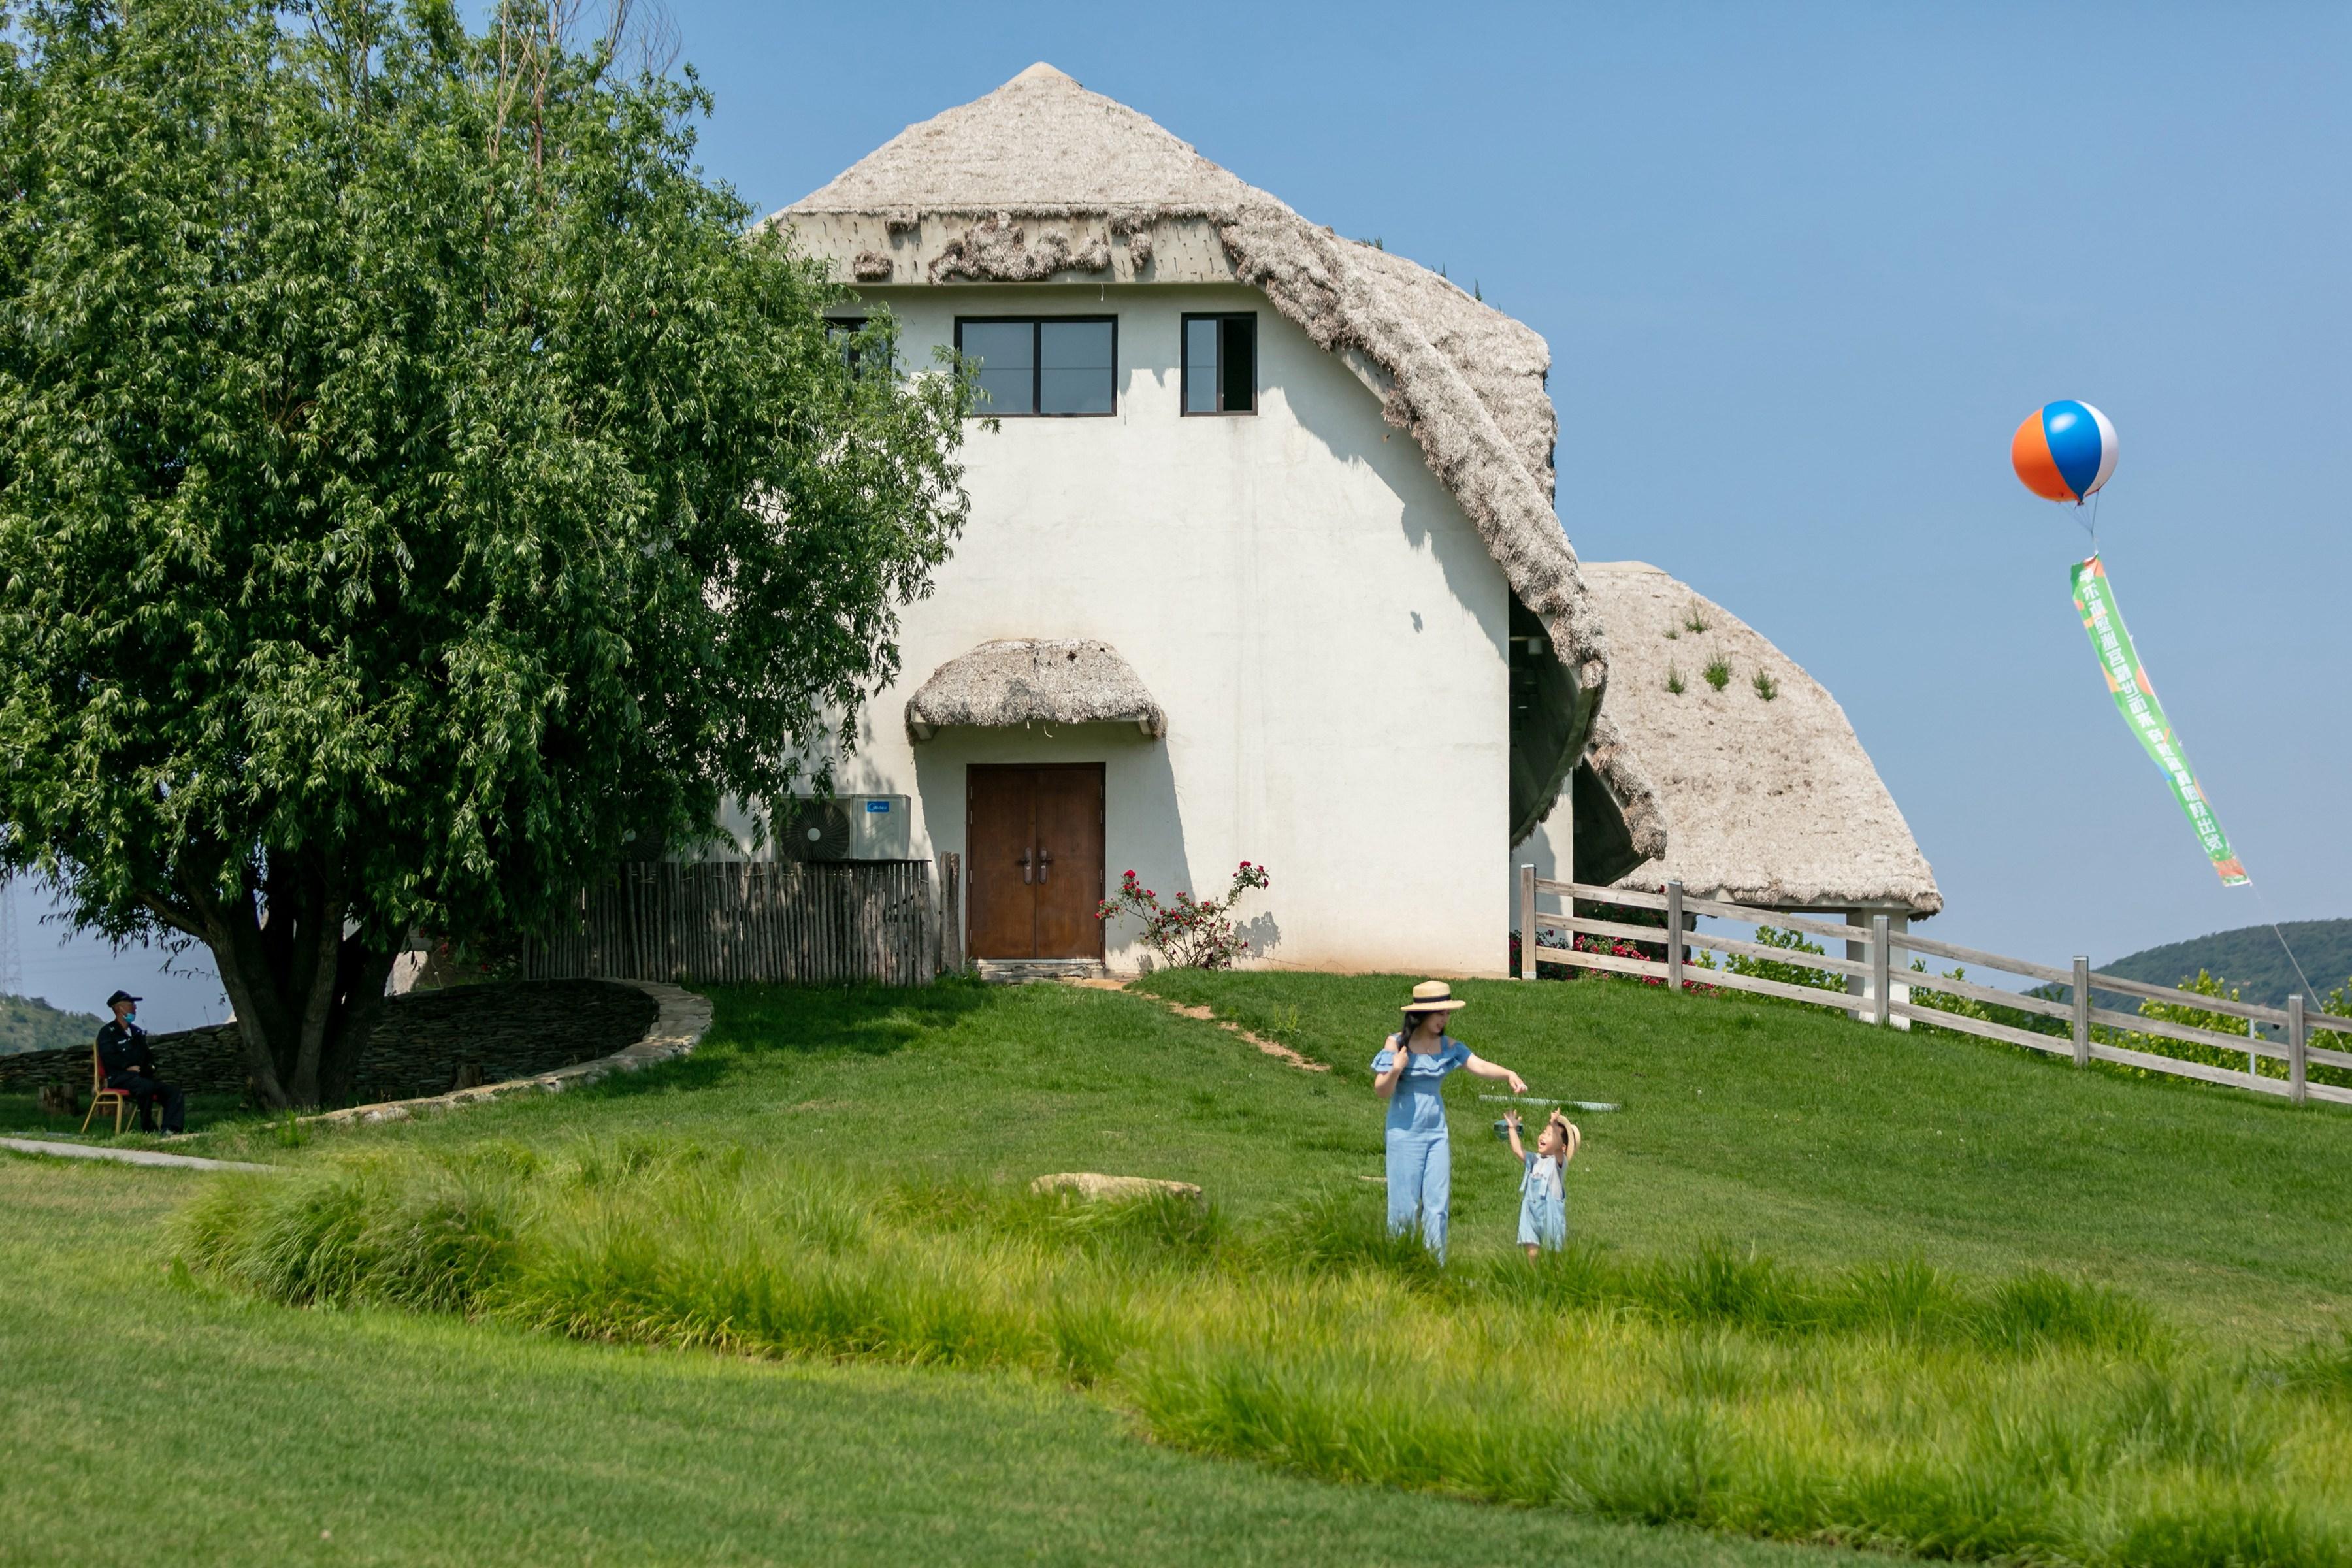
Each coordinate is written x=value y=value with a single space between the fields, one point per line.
x=1023 y=681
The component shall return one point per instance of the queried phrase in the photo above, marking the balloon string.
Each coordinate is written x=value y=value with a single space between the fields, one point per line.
x=2310 y=991
x=2091 y=523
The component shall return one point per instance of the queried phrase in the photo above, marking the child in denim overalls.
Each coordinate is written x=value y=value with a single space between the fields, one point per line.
x=1543 y=1197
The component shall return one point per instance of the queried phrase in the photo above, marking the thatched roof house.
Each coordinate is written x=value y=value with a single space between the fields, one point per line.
x=1766 y=801
x=1262 y=561
x=1042 y=181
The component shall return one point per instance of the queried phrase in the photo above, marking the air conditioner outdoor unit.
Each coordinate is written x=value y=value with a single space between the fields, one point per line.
x=846 y=828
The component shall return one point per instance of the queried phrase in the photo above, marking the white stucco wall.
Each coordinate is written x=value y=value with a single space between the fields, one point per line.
x=1323 y=627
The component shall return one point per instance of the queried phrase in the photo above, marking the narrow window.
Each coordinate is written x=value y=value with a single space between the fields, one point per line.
x=1043 y=365
x=1221 y=365
x=1200 y=382
x=843 y=333
x=1237 y=361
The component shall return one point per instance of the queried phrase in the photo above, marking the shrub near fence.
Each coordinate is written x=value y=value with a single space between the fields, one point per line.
x=2169 y=1019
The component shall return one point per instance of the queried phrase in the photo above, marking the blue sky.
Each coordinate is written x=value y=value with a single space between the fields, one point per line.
x=1803 y=268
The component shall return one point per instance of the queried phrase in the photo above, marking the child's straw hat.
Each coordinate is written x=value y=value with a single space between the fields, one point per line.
x=1433 y=996
x=1575 y=1139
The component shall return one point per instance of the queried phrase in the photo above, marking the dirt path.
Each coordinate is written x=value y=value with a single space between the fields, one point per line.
x=1280 y=1053
x=123 y=1157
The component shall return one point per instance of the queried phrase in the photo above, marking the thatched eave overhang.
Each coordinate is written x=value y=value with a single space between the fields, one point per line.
x=1021 y=682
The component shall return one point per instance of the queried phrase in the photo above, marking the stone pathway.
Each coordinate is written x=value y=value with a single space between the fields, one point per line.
x=1279 y=1052
x=125 y=1156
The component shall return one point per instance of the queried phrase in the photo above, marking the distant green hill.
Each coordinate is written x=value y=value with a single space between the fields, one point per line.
x=30 y=1023
x=2251 y=959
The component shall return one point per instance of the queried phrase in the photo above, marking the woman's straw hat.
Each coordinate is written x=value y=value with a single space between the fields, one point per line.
x=1433 y=996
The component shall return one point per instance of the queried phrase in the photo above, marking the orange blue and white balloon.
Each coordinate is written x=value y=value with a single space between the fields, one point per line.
x=2064 y=452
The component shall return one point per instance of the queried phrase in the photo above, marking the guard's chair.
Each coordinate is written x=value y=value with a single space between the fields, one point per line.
x=100 y=1095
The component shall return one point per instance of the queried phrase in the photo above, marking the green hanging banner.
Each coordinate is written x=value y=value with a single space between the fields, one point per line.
x=2095 y=601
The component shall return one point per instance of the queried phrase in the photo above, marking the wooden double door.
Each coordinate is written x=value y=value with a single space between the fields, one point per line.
x=1033 y=860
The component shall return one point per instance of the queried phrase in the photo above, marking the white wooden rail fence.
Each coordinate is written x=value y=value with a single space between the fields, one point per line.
x=1885 y=973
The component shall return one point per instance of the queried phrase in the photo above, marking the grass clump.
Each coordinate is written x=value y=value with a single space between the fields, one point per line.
x=2321 y=1367
x=2032 y=1416
x=1718 y=672
x=1675 y=681
x=428 y=1238
x=1905 y=1302
x=1695 y=620
x=1766 y=687
x=1341 y=1230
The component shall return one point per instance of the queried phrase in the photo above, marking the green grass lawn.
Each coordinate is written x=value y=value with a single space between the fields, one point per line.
x=154 y=1419
x=803 y=1167
x=1825 y=1141
x=1780 y=1127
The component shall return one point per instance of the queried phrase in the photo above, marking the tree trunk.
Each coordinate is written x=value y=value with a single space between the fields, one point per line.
x=358 y=1007
x=324 y=940
x=307 y=996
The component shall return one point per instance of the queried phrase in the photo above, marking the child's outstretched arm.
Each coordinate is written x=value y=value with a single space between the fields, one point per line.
x=1511 y=1120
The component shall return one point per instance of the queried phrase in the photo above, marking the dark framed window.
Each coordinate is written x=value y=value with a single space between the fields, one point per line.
x=1042 y=366
x=1221 y=365
x=843 y=332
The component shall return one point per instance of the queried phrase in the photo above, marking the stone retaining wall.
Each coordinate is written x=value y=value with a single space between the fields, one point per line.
x=493 y=1032
x=207 y=1061
x=681 y=1019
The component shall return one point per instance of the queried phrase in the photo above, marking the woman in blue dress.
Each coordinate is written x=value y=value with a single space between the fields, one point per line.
x=1410 y=1074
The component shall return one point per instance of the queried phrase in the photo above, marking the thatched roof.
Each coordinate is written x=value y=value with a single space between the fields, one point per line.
x=1043 y=179
x=1025 y=681
x=1772 y=802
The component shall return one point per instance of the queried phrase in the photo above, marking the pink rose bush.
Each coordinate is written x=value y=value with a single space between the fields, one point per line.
x=1188 y=932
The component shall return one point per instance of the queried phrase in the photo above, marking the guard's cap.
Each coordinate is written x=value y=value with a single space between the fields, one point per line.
x=121 y=997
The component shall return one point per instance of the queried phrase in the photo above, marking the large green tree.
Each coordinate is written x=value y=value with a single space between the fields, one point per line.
x=417 y=484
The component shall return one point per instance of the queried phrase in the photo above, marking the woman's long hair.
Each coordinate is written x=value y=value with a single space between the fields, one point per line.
x=1413 y=1027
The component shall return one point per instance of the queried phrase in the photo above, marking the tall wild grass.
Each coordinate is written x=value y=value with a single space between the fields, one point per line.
x=2029 y=1419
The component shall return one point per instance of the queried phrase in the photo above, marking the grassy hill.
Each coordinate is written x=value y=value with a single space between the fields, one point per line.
x=1837 y=1284
x=30 y=1023
x=2251 y=959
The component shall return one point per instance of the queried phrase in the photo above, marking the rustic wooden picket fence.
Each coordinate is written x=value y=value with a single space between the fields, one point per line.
x=1885 y=971
x=793 y=921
